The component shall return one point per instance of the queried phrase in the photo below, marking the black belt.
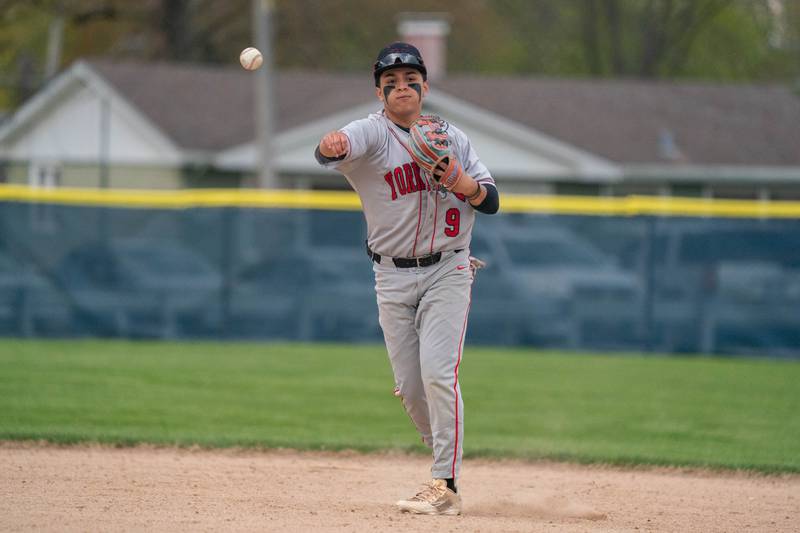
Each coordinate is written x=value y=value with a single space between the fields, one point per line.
x=409 y=262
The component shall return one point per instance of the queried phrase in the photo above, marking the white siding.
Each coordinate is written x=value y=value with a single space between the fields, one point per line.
x=70 y=131
x=505 y=159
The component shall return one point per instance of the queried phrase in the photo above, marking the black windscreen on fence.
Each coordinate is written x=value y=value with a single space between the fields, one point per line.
x=646 y=283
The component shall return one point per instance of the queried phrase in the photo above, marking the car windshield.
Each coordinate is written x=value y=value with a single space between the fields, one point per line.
x=8 y=265
x=162 y=262
x=550 y=253
x=341 y=269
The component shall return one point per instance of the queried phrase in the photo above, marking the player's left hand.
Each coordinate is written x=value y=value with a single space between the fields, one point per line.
x=431 y=149
x=448 y=172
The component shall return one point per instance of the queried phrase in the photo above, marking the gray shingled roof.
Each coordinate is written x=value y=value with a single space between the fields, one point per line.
x=622 y=120
x=208 y=108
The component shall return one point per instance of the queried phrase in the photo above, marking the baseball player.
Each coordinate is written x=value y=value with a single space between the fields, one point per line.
x=420 y=186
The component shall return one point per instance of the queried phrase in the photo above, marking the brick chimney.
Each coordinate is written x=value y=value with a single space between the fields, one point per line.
x=428 y=32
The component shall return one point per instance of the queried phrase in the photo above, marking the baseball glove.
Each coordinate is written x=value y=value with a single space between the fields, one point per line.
x=431 y=148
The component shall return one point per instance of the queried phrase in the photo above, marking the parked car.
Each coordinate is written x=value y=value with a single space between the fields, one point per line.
x=341 y=303
x=310 y=293
x=724 y=286
x=266 y=297
x=136 y=287
x=571 y=292
x=30 y=303
x=502 y=311
x=755 y=307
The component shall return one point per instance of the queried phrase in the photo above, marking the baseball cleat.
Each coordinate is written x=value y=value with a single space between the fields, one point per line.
x=434 y=498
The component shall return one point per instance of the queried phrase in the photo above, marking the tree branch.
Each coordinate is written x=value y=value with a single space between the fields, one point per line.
x=691 y=22
x=591 y=40
x=618 y=60
x=654 y=36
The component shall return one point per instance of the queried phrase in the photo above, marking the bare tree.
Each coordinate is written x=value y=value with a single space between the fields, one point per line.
x=650 y=39
x=175 y=27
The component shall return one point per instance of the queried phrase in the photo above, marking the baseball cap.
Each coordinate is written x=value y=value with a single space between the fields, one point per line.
x=398 y=54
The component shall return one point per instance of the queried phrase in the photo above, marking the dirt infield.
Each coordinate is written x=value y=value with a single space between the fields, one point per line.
x=48 y=488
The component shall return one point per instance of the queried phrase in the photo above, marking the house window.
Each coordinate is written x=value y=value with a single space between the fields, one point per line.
x=44 y=174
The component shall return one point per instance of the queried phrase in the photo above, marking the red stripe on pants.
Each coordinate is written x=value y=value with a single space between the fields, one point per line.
x=455 y=384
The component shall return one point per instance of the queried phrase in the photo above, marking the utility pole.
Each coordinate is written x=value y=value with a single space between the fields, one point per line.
x=55 y=42
x=105 y=141
x=265 y=94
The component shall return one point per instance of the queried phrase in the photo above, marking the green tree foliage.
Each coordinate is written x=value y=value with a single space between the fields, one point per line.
x=91 y=27
x=698 y=39
x=712 y=39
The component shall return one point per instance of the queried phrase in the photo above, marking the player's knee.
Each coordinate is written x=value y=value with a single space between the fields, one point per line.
x=435 y=379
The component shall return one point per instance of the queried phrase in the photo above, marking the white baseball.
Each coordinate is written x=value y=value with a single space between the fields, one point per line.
x=250 y=58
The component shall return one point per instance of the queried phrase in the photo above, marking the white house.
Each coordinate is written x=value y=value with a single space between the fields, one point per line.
x=138 y=125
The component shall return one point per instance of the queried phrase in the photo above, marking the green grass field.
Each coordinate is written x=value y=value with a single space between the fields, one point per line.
x=621 y=409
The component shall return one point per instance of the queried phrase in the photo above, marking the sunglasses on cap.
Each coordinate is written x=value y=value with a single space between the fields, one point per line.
x=400 y=58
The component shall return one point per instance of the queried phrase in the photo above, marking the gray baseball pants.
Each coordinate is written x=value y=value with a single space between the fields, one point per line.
x=423 y=313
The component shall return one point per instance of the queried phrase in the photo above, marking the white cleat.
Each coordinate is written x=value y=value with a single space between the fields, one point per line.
x=434 y=498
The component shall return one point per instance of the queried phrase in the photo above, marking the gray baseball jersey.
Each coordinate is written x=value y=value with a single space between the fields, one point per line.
x=422 y=309
x=406 y=216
